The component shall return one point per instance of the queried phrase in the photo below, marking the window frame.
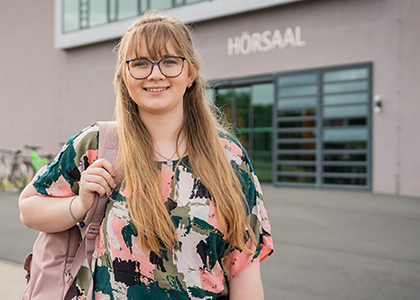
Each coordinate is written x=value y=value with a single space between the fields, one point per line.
x=319 y=151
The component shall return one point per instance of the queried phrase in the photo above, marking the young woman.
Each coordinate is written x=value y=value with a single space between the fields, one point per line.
x=188 y=220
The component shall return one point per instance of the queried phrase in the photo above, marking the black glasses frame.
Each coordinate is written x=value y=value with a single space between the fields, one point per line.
x=155 y=64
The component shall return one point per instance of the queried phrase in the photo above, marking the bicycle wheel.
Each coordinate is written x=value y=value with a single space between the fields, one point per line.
x=30 y=173
x=2 y=175
x=18 y=178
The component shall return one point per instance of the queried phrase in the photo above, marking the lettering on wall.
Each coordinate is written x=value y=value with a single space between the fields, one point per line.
x=265 y=42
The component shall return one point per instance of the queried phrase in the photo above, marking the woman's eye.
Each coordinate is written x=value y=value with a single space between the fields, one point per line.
x=140 y=63
x=170 y=62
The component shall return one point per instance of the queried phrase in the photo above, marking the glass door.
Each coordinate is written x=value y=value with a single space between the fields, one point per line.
x=346 y=127
x=297 y=122
x=250 y=108
x=322 y=136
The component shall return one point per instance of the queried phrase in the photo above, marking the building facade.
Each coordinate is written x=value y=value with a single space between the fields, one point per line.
x=322 y=93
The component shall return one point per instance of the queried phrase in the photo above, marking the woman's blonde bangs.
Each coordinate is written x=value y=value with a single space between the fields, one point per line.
x=155 y=34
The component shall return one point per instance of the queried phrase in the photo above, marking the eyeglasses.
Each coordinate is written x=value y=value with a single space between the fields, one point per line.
x=141 y=68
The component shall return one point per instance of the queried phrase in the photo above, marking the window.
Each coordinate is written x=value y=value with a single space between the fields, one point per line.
x=323 y=128
x=320 y=135
x=250 y=109
x=82 y=14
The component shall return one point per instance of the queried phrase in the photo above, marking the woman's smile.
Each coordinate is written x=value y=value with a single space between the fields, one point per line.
x=157 y=90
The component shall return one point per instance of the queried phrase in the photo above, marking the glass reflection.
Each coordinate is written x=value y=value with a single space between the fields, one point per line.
x=345 y=181
x=297 y=112
x=343 y=87
x=304 y=157
x=298 y=91
x=345 y=111
x=242 y=102
x=70 y=15
x=308 y=123
x=345 y=145
x=160 y=4
x=297 y=168
x=297 y=79
x=98 y=13
x=345 y=98
x=262 y=101
x=297 y=102
x=224 y=102
x=345 y=134
x=352 y=74
x=345 y=157
x=296 y=146
x=345 y=169
x=345 y=122
x=250 y=109
x=297 y=135
x=127 y=9
x=297 y=179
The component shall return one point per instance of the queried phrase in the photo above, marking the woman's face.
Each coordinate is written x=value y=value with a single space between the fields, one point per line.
x=157 y=94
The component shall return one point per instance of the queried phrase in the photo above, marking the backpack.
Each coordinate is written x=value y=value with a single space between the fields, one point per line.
x=57 y=257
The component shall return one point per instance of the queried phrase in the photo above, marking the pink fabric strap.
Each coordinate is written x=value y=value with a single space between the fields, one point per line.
x=108 y=148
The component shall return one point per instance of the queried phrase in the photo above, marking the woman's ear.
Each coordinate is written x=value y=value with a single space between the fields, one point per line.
x=191 y=76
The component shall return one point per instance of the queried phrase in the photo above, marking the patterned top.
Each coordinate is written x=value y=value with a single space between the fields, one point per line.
x=205 y=262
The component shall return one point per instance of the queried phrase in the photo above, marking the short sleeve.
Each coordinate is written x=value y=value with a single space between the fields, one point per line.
x=60 y=178
x=237 y=261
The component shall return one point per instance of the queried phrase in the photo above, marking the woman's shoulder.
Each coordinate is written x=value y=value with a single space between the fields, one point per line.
x=88 y=135
x=60 y=178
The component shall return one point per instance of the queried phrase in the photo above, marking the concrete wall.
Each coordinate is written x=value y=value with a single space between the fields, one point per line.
x=408 y=97
x=46 y=95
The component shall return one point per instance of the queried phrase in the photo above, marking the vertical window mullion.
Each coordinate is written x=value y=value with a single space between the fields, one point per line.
x=251 y=124
x=108 y=10
x=319 y=133
x=275 y=137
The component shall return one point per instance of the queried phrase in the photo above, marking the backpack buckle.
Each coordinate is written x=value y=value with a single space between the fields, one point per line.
x=92 y=231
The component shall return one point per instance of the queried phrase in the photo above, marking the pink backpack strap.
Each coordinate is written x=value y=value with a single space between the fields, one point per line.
x=108 y=148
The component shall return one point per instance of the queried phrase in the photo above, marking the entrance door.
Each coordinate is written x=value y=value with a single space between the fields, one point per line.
x=250 y=109
x=322 y=122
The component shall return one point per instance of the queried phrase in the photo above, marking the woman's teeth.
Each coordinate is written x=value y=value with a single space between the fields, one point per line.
x=156 y=90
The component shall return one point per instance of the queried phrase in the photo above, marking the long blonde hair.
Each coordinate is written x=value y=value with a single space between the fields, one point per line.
x=200 y=128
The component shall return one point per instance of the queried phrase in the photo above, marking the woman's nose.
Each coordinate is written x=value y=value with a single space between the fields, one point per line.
x=156 y=73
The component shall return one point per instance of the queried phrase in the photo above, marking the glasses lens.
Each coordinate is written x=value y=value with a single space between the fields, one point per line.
x=171 y=66
x=140 y=68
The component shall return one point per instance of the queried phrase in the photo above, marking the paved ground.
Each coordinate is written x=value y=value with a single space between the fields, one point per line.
x=329 y=245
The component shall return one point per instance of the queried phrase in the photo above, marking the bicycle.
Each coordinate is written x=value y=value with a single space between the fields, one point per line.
x=19 y=175
x=2 y=167
x=37 y=161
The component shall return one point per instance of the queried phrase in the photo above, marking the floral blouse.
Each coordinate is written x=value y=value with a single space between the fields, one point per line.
x=205 y=262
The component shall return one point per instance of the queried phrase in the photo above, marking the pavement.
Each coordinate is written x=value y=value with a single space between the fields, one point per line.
x=329 y=244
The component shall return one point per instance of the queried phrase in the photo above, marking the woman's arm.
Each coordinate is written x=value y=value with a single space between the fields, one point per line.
x=47 y=213
x=51 y=214
x=247 y=284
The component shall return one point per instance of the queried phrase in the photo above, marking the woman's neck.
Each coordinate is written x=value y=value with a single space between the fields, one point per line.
x=163 y=129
